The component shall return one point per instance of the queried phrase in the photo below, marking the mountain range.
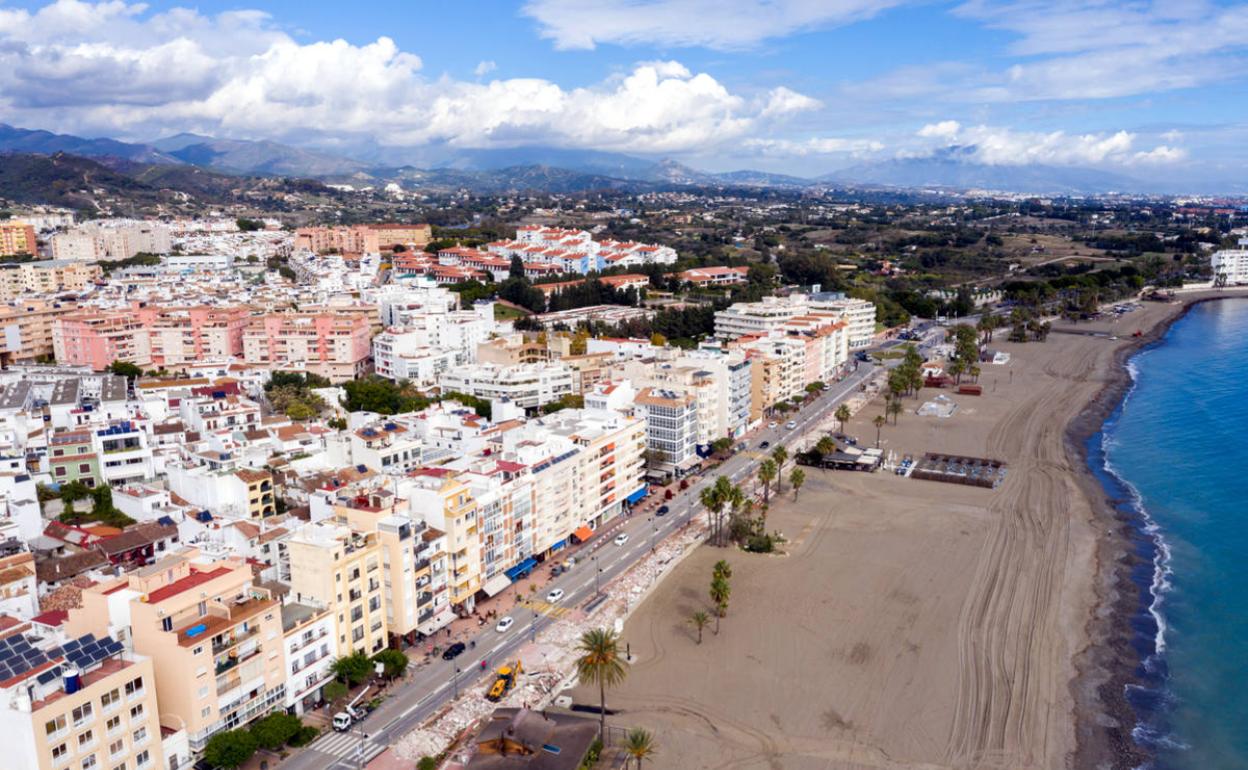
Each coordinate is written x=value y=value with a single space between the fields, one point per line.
x=552 y=169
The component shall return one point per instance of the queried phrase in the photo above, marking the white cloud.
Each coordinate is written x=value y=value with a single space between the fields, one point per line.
x=720 y=24
x=113 y=68
x=484 y=68
x=814 y=146
x=999 y=146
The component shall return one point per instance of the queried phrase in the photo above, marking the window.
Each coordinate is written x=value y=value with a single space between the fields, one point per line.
x=198 y=650
x=89 y=763
x=85 y=739
x=56 y=726
x=166 y=624
x=110 y=699
x=122 y=766
x=82 y=714
x=113 y=724
x=140 y=735
x=141 y=759
x=137 y=712
x=84 y=468
x=59 y=752
x=205 y=711
x=60 y=470
x=357 y=633
x=116 y=747
x=134 y=687
x=203 y=609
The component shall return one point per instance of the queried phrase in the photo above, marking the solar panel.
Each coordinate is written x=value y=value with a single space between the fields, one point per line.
x=5 y=654
x=115 y=647
x=20 y=668
x=47 y=676
x=86 y=639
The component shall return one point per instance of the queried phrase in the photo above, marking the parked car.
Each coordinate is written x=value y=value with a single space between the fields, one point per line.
x=621 y=538
x=772 y=424
x=505 y=623
x=454 y=651
x=790 y=424
x=663 y=511
x=764 y=445
x=555 y=595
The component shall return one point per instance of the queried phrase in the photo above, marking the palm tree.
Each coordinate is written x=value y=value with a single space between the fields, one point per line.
x=722 y=569
x=825 y=446
x=639 y=745
x=779 y=454
x=797 y=478
x=878 y=422
x=842 y=414
x=767 y=473
x=735 y=499
x=700 y=620
x=720 y=592
x=713 y=502
x=600 y=663
x=895 y=408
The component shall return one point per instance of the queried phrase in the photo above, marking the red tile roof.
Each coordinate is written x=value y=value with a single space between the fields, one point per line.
x=185 y=584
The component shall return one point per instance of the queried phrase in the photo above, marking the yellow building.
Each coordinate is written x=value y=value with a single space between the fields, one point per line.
x=447 y=504
x=47 y=276
x=342 y=570
x=57 y=716
x=214 y=639
x=26 y=329
x=17 y=238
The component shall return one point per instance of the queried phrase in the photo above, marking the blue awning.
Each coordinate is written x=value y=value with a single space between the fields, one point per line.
x=558 y=545
x=636 y=497
x=522 y=569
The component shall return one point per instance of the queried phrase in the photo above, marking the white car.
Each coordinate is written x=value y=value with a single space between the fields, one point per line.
x=790 y=425
x=554 y=595
x=505 y=623
x=621 y=538
x=772 y=424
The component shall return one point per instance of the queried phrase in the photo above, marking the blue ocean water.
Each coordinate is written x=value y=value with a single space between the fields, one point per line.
x=1176 y=454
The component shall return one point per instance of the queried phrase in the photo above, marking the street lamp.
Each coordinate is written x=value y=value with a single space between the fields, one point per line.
x=455 y=681
x=533 y=627
x=597 y=576
x=359 y=752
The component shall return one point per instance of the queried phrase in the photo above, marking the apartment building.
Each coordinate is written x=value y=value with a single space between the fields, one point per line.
x=387 y=446
x=17 y=238
x=1230 y=266
x=112 y=240
x=123 y=451
x=308 y=638
x=19 y=590
x=360 y=239
x=758 y=318
x=48 y=276
x=446 y=504
x=181 y=336
x=505 y=516
x=858 y=315
x=718 y=275
x=98 y=338
x=610 y=463
x=214 y=638
x=528 y=386
x=243 y=493
x=77 y=247
x=79 y=711
x=671 y=429
x=334 y=566
x=334 y=345
x=26 y=329
x=72 y=457
x=730 y=373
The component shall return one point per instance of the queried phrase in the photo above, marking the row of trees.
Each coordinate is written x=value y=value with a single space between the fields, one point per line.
x=601 y=662
x=291 y=394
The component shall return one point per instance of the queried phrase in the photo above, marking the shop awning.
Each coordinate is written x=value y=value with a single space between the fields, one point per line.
x=496 y=584
x=437 y=622
x=521 y=569
x=583 y=533
x=559 y=545
x=636 y=497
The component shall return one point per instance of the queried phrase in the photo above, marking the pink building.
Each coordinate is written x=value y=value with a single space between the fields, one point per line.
x=335 y=345
x=97 y=339
x=150 y=336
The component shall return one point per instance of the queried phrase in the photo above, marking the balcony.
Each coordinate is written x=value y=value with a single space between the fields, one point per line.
x=234 y=637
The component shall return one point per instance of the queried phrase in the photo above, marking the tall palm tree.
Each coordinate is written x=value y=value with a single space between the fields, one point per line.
x=797 y=478
x=700 y=620
x=600 y=663
x=842 y=414
x=722 y=569
x=639 y=745
x=878 y=422
x=767 y=473
x=825 y=446
x=735 y=499
x=895 y=408
x=779 y=454
x=720 y=593
x=712 y=502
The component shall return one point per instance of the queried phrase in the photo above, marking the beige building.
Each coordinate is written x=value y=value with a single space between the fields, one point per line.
x=26 y=329
x=47 y=276
x=17 y=238
x=213 y=636
x=99 y=716
x=341 y=569
x=447 y=504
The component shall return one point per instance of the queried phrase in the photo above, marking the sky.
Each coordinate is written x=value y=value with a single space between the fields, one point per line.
x=1151 y=90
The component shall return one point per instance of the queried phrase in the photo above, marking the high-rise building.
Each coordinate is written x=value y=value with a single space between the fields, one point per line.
x=17 y=238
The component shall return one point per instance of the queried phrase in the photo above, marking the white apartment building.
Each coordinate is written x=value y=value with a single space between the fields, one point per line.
x=386 y=446
x=858 y=314
x=730 y=372
x=199 y=263
x=399 y=354
x=671 y=427
x=1230 y=266
x=113 y=239
x=308 y=639
x=75 y=246
x=762 y=317
x=528 y=386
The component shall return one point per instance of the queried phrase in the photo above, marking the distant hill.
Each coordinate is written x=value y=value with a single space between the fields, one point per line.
x=245 y=157
x=953 y=169
x=47 y=143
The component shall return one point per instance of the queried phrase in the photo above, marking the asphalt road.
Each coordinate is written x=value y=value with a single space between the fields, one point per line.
x=432 y=685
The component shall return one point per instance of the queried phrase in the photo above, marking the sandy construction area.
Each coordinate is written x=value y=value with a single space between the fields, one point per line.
x=913 y=623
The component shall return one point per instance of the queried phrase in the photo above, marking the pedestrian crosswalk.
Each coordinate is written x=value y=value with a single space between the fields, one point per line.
x=347 y=745
x=548 y=609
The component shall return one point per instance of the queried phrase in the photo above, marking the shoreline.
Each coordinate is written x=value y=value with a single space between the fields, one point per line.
x=1104 y=719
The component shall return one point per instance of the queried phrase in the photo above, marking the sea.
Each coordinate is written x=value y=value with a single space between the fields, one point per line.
x=1175 y=455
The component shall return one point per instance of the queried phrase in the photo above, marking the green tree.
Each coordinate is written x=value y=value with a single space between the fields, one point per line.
x=878 y=422
x=767 y=473
x=825 y=446
x=427 y=763
x=393 y=662
x=639 y=745
x=334 y=690
x=722 y=569
x=700 y=620
x=720 y=592
x=715 y=498
x=275 y=730
x=895 y=409
x=125 y=369
x=352 y=669
x=797 y=478
x=600 y=663
x=230 y=749
x=780 y=455
x=516 y=268
x=248 y=225
x=842 y=415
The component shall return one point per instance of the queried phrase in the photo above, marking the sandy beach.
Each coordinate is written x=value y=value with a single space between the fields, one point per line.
x=914 y=623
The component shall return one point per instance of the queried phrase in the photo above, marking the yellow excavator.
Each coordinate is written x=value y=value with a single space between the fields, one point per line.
x=504 y=682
